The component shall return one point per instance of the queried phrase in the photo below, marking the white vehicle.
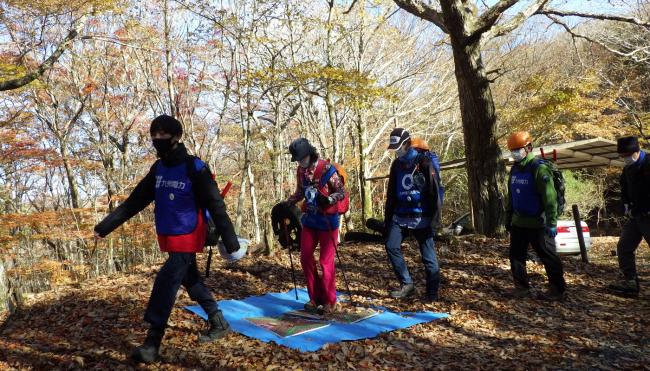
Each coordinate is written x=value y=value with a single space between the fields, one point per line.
x=566 y=241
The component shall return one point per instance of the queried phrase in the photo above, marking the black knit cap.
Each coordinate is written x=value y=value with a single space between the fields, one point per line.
x=167 y=124
x=628 y=145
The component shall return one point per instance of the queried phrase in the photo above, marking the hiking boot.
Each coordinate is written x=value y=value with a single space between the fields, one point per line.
x=624 y=286
x=311 y=307
x=404 y=291
x=430 y=298
x=218 y=328
x=148 y=351
x=551 y=294
x=329 y=308
x=519 y=292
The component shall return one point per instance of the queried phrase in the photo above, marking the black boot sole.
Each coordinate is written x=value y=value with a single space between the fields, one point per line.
x=203 y=339
x=407 y=296
x=623 y=293
x=137 y=357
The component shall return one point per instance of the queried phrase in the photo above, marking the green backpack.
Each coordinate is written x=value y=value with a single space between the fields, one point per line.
x=558 y=182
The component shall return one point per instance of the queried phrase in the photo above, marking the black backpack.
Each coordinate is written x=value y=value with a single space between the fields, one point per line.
x=212 y=237
x=285 y=220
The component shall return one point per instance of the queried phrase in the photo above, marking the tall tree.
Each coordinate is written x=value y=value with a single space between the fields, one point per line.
x=468 y=30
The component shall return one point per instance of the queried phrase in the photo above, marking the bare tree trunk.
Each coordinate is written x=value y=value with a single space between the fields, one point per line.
x=256 y=219
x=251 y=177
x=241 y=199
x=168 y=61
x=5 y=296
x=276 y=155
x=364 y=186
x=362 y=133
x=74 y=192
x=331 y=115
x=269 y=237
x=485 y=170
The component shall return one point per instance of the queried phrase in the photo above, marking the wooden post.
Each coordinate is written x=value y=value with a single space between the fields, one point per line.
x=581 y=237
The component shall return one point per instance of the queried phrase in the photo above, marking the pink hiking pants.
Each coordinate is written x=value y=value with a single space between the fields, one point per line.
x=322 y=290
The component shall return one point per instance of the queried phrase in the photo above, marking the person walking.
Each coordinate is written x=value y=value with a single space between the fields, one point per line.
x=412 y=207
x=182 y=195
x=635 y=196
x=531 y=218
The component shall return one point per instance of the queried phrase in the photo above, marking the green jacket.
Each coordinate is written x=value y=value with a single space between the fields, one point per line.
x=546 y=190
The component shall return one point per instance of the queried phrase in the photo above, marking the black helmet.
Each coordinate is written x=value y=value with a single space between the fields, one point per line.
x=300 y=148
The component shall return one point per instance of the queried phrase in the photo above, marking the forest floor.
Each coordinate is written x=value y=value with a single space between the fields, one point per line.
x=97 y=323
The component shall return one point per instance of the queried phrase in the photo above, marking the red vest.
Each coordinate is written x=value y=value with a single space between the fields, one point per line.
x=192 y=242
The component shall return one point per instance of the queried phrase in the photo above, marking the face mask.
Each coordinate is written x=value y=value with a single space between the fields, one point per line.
x=163 y=146
x=629 y=160
x=305 y=162
x=401 y=151
x=518 y=155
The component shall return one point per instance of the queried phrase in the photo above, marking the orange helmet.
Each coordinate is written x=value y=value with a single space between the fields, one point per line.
x=519 y=139
x=419 y=143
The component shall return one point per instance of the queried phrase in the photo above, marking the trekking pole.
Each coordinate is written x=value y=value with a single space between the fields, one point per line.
x=293 y=272
x=347 y=285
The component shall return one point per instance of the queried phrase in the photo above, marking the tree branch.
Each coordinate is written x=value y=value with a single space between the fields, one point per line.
x=490 y=31
x=492 y=15
x=605 y=17
x=595 y=41
x=351 y=7
x=424 y=11
x=48 y=63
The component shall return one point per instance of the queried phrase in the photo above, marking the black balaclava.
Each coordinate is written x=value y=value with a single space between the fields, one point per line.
x=169 y=125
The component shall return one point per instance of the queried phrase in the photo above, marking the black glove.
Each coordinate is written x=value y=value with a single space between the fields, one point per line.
x=231 y=245
x=322 y=201
x=232 y=248
x=387 y=226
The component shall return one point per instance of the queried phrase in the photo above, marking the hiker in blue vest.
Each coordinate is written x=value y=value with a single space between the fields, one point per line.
x=635 y=196
x=180 y=200
x=531 y=219
x=412 y=207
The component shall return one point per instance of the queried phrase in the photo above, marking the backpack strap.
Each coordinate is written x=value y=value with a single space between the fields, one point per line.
x=318 y=171
x=194 y=165
x=190 y=166
x=327 y=176
x=534 y=165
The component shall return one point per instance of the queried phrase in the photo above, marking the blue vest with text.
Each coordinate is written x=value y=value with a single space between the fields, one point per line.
x=411 y=191
x=526 y=200
x=175 y=208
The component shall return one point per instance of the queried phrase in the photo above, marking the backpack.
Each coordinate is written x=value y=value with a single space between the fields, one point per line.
x=436 y=166
x=342 y=206
x=194 y=165
x=285 y=221
x=558 y=181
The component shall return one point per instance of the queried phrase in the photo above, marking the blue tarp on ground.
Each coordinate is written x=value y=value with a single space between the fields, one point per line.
x=275 y=304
